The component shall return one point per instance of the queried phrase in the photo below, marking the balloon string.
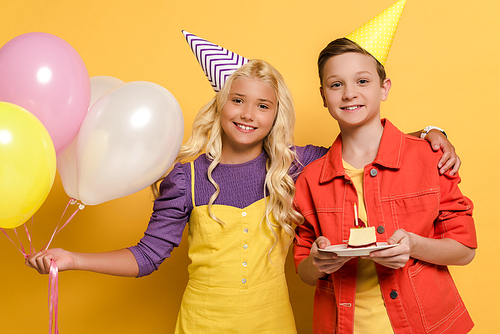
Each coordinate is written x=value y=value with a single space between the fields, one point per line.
x=22 y=247
x=53 y=297
x=59 y=222
x=53 y=275
x=28 y=235
x=22 y=251
x=57 y=229
x=54 y=271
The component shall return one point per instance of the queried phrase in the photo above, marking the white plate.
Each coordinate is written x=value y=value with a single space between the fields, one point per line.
x=342 y=250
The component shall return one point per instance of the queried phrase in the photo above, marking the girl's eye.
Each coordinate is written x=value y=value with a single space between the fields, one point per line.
x=263 y=106
x=237 y=100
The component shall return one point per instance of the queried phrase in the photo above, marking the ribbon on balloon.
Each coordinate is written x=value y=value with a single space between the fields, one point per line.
x=53 y=300
x=58 y=229
x=53 y=297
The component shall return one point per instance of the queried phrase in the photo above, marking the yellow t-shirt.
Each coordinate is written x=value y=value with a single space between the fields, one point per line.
x=370 y=314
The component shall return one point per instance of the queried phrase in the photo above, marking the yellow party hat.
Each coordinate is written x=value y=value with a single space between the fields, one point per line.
x=376 y=35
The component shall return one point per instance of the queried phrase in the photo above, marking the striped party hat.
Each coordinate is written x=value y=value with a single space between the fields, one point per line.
x=376 y=35
x=217 y=62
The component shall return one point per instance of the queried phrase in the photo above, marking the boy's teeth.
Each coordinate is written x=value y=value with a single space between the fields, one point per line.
x=351 y=108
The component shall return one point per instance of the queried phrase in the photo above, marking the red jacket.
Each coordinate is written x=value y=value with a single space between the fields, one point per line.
x=402 y=189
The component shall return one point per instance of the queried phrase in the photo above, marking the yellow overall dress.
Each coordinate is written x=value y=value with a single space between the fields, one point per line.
x=233 y=287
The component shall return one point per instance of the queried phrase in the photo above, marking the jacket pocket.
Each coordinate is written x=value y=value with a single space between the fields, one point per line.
x=415 y=212
x=435 y=293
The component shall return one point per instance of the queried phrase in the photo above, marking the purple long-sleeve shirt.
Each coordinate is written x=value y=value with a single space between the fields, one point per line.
x=240 y=184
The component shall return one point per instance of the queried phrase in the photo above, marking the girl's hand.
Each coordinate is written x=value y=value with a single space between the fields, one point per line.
x=41 y=261
x=395 y=257
x=326 y=262
x=450 y=159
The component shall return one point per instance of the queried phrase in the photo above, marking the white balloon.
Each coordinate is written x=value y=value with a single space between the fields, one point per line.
x=66 y=166
x=66 y=160
x=129 y=139
x=100 y=85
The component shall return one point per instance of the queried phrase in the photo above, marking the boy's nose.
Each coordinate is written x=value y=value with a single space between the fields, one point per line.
x=349 y=93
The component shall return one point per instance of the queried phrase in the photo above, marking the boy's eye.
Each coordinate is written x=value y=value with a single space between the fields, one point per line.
x=336 y=85
x=363 y=81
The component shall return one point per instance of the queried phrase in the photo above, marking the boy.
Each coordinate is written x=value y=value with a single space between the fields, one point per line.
x=393 y=180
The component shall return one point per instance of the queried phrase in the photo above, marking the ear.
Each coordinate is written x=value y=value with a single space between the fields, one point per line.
x=323 y=97
x=386 y=87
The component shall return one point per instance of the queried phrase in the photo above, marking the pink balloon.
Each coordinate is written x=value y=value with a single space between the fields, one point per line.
x=45 y=75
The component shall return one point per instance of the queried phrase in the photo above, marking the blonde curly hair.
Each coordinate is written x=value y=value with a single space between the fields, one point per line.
x=278 y=144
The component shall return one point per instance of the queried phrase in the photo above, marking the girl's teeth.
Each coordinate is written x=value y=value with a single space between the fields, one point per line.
x=245 y=127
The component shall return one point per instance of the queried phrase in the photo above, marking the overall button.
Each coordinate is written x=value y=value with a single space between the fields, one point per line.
x=245 y=246
x=394 y=294
x=244 y=264
x=245 y=230
x=243 y=281
x=380 y=229
x=244 y=214
x=373 y=172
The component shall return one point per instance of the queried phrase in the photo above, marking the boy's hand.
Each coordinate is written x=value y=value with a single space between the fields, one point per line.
x=450 y=159
x=326 y=262
x=395 y=257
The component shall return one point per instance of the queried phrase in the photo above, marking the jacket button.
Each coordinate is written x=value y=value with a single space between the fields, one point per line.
x=394 y=294
x=373 y=172
x=380 y=229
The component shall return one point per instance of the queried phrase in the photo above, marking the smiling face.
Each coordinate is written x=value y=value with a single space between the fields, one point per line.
x=351 y=89
x=247 y=117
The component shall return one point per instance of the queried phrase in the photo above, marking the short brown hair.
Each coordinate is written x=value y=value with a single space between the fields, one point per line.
x=341 y=46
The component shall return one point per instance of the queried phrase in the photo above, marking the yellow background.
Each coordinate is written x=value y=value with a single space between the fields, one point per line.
x=444 y=69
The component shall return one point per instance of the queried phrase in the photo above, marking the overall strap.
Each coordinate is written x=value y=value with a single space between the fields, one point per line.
x=192 y=183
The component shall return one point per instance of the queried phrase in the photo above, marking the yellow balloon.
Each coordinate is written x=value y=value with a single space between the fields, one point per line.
x=27 y=165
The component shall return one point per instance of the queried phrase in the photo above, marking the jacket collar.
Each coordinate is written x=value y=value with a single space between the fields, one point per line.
x=390 y=153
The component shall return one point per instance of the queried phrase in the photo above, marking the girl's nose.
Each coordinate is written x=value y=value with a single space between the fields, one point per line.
x=247 y=114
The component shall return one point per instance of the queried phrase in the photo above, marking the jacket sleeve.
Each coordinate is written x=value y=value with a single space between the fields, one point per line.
x=305 y=233
x=455 y=213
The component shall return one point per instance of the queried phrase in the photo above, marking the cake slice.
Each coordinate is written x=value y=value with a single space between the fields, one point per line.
x=362 y=237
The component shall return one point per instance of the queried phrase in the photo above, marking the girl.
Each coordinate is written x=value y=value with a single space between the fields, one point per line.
x=237 y=198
